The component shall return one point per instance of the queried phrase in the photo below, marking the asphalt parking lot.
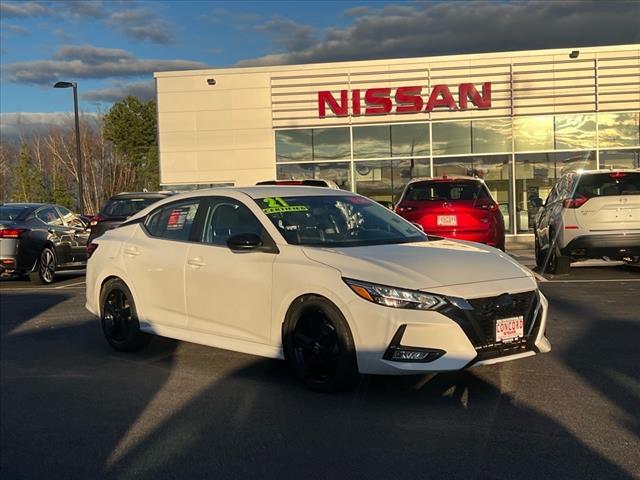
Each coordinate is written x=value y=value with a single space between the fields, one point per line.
x=73 y=408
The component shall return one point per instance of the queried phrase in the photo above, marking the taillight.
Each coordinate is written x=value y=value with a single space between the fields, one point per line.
x=574 y=202
x=96 y=220
x=92 y=247
x=12 y=232
x=492 y=207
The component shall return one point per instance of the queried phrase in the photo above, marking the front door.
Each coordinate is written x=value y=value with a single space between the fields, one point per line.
x=229 y=293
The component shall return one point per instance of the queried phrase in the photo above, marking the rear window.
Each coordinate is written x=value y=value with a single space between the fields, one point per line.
x=608 y=184
x=12 y=213
x=421 y=192
x=125 y=207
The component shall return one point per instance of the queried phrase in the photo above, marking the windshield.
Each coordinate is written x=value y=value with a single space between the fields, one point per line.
x=420 y=192
x=126 y=207
x=11 y=213
x=337 y=221
x=608 y=184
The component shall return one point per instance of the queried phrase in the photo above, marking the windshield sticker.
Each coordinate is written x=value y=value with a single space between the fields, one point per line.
x=279 y=205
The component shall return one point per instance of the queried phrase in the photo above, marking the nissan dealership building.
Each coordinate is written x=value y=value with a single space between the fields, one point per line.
x=516 y=119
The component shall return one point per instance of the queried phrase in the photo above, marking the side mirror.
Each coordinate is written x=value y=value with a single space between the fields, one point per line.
x=244 y=242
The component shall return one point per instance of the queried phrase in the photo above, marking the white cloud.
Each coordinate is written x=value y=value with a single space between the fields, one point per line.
x=141 y=90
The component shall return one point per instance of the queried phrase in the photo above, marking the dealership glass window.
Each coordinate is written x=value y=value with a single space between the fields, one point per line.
x=537 y=173
x=491 y=136
x=575 y=131
x=372 y=142
x=495 y=170
x=384 y=180
x=451 y=138
x=331 y=143
x=339 y=172
x=620 y=158
x=410 y=140
x=618 y=129
x=293 y=145
x=533 y=133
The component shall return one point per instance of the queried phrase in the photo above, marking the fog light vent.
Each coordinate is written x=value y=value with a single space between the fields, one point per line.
x=396 y=352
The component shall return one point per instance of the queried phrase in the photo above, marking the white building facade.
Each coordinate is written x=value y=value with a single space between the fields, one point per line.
x=516 y=119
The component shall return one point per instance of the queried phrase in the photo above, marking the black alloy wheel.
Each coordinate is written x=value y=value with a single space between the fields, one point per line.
x=319 y=346
x=119 y=320
x=316 y=347
x=46 y=268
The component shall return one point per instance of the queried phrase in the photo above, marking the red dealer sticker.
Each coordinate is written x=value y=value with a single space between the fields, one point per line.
x=509 y=328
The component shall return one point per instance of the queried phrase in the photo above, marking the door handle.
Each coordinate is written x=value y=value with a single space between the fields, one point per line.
x=131 y=251
x=196 y=262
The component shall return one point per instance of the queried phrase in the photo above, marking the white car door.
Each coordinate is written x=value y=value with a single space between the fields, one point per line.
x=155 y=259
x=229 y=292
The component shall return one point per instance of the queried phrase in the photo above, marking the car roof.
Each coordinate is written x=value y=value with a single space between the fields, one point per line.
x=447 y=178
x=261 y=191
x=24 y=205
x=141 y=195
x=606 y=170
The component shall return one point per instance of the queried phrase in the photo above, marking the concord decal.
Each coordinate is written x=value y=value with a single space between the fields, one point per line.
x=378 y=101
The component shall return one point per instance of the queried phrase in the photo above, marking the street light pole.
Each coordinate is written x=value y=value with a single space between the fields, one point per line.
x=74 y=85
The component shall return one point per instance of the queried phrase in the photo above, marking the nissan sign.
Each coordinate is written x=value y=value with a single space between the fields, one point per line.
x=378 y=101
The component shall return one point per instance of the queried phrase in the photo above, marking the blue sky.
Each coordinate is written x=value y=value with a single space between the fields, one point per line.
x=112 y=47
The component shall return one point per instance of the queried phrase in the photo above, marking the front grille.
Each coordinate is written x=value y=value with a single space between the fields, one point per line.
x=478 y=323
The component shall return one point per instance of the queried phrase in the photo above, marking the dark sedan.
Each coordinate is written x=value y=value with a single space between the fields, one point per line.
x=120 y=207
x=39 y=240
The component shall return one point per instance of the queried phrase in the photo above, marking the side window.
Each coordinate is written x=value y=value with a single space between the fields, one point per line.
x=226 y=217
x=173 y=221
x=49 y=215
x=67 y=216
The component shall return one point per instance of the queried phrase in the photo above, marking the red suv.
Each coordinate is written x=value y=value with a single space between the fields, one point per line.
x=455 y=207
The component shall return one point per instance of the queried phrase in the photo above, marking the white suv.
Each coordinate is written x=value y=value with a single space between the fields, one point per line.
x=589 y=214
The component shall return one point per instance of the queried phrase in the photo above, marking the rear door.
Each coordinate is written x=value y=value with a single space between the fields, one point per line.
x=57 y=232
x=155 y=258
x=608 y=201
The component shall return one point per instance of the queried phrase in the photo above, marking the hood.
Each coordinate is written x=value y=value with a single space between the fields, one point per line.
x=421 y=265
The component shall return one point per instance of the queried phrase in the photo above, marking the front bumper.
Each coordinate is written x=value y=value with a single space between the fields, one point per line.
x=457 y=343
x=618 y=245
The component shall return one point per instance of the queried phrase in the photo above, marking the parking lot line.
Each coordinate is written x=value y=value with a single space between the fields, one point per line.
x=71 y=285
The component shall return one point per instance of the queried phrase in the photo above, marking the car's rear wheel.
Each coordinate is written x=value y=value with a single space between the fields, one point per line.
x=539 y=254
x=557 y=264
x=319 y=346
x=45 y=271
x=119 y=318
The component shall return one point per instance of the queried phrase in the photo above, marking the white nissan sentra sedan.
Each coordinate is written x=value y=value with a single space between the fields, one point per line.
x=329 y=280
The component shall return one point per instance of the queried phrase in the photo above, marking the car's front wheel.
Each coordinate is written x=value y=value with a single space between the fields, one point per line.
x=45 y=271
x=119 y=318
x=319 y=346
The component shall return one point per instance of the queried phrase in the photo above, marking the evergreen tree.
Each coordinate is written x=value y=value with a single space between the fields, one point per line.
x=130 y=125
x=28 y=179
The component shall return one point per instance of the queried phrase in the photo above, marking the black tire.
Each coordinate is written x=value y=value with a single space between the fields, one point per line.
x=119 y=318
x=539 y=254
x=45 y=272
x=319 y=346
x=557 y=264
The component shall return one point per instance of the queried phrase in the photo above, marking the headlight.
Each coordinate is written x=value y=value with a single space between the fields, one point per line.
x=395 y=297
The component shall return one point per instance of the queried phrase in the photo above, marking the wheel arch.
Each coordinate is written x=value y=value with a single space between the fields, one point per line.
x=289 y=315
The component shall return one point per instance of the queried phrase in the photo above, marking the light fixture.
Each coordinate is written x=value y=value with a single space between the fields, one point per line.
x=574 y=54
x=211 y=81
